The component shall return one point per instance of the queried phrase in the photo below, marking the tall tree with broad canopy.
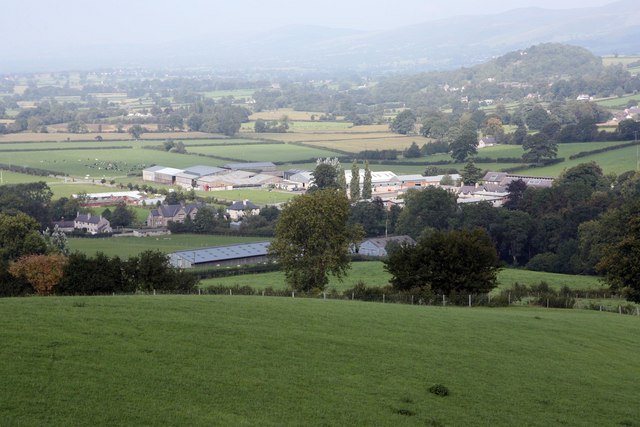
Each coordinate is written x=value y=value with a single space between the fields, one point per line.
x=312 y=239
x=464 y=142
x=471 y=174
x=463 y=261
x=621 y=263
x=539 y=147
x=404 y=122
x=429 y=208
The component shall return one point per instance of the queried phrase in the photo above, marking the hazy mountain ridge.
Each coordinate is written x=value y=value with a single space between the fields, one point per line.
x=446 y=43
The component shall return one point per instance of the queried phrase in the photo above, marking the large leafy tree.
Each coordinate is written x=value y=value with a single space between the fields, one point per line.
x=621 y=263
x=19 y=236
x=122 y=216
x=325 y=176
x=464 y=142
x=471 y=174
x=43 y=272
x=312 y=239
x=404 y=122
x=446 y=262
x=33 y=199
x=429 y=208
x=539 y=147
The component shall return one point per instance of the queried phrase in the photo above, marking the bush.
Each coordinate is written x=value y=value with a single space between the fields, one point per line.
x=439 y=390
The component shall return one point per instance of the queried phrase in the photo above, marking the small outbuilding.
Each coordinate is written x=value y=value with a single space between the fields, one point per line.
x=377 y=246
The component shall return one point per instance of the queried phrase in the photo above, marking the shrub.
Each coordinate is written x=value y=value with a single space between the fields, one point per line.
x=439 y=390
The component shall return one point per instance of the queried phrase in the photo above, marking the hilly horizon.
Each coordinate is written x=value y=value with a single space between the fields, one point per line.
x=448 y=43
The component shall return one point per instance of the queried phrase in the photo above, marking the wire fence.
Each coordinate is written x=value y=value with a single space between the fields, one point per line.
x=602 y=301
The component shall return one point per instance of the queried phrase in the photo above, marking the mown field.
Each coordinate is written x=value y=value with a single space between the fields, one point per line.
x=205 y=360
x=128 y=246
x=259 y=197
x=373 y=274
x=618 y=102
x=264 y=152
x=63 y=136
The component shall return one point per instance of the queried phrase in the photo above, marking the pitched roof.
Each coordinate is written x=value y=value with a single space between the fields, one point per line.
x=202 y=170
x=169 y=211
x=251 y=165
x=89 y=219
x=154 y=168
x=242 y=205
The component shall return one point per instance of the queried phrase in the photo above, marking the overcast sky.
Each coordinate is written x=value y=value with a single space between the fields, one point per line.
x=28 y=23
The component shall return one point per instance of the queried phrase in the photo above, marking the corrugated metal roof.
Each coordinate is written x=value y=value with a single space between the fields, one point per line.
x=154 y=168
x=223 y=253
x=252 y=165
x=170 y=171
x=202 y=170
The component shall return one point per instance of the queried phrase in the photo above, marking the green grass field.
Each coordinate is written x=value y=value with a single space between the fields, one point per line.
x=8 y=177
x=264 y=152
x=618 y=102
x=205 y=360
x=372 y=273
x=129 y=246
x=236 y=93
x=616 y=161
x=257 y=196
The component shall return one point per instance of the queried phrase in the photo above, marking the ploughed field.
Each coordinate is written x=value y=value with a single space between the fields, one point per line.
x=207 y=360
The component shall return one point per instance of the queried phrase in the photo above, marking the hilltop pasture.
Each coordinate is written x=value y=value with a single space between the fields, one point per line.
x=205 y=360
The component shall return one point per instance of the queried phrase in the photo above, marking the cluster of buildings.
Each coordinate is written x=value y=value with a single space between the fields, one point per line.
x=493 y=187
x=212 y=178
x=264 y=175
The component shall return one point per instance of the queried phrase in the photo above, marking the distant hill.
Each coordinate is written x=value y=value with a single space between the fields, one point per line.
x=442 y=44
x=447 y=43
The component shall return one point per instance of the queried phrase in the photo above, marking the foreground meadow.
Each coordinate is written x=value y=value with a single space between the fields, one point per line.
x=204 y=360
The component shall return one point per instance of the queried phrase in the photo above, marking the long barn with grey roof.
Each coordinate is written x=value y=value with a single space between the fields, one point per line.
x=221 y=256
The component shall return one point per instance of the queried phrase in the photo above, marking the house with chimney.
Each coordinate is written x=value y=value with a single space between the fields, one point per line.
x=164 y=214
x=238 y=210
x=92 y=224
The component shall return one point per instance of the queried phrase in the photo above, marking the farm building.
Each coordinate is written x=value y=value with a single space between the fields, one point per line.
x=221 y=256
x=108 y=199
x=149 y=174
x=437 y=179
x=291 y=172
x=161 y=175
x=504 y=179
x=238 y=210
x=236 y=179
x=189 y=178
x=164 y=214
x=254 y=166
x=381 y=182
x=377 y=246
x=300 y=180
